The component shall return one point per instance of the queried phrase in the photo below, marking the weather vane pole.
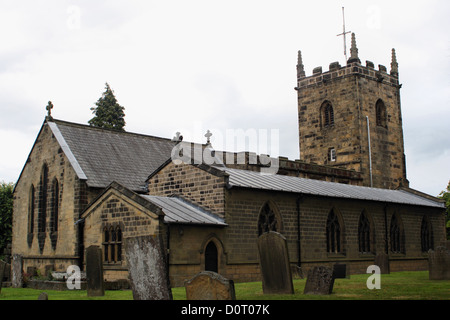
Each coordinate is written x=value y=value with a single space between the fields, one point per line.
x=344 y=33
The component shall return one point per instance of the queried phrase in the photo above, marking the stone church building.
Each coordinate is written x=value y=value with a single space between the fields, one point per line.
x=345 y=201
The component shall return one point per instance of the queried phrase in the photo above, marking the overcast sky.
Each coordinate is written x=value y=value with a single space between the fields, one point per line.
x=190 y=65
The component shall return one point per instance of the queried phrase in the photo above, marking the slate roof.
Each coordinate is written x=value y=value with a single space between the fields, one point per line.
x=101 y=156
x=179 y=211
x=256 y=180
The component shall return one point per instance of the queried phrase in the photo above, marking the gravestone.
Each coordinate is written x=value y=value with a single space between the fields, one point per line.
x=17 y=271
x=2 y=273
x=208 y=285
x=439 y=264
x=147 y=268
x=274 y=263
x=43 y=296
x=382 y=261
x=320 y=281
x=341 y=271
x=94 y=272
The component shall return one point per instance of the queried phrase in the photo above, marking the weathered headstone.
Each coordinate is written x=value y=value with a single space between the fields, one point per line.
x=208 y=285
x=147 y=268
x=17 y=271
x=94 y=272
x=439 y=264
x=320 y=281
x=382 y=261
x=2 y=273
x=274 y=263
x=43 y=296
x=341 y=271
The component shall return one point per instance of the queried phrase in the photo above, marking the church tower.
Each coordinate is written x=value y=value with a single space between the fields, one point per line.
x=350 y=117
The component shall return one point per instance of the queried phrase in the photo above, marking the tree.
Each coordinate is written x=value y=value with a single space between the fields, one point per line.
x=445 y=194
x=6 y=208
x=108 y=114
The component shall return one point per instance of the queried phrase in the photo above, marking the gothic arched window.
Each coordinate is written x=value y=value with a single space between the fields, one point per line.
x=426 y=235
x=364 y=233
x=396 y=235
x=328 y=114
x=267 y=220
x=31 y=199
x=381 y=113
x=54 y=206
x=334 y=233
x=42 y=206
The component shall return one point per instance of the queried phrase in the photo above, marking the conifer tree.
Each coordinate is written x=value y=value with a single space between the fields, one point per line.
x=108 y=112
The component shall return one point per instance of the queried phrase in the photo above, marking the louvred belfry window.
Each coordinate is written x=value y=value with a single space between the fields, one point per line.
x=328 y=114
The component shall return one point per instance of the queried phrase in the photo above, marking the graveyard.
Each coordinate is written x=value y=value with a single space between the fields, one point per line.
x=394 y=286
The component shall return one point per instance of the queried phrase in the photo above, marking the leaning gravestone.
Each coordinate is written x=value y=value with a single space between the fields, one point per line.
x=17 y=271
x=320 y=281
x=382 y=261
x=208 y=285
x=274 y=263
x=94 y=272
x=147 y=268
x=2 y=273
x=439 y=264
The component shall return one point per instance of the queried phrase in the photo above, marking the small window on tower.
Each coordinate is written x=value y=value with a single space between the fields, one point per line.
x=328 y=114
x=381 y=113
x=332 y=154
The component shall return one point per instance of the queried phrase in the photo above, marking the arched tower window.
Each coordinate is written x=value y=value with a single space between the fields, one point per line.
x=381 y=113
x=333 y=233
x=396 y=235
x=426 y=235
x=327 y=114
x=211 y=257
x=267 y=220
x=364 y=234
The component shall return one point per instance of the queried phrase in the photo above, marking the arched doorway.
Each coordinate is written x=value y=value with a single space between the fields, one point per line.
x=211 y=257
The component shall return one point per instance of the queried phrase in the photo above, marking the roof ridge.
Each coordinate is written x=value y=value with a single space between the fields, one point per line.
x=86 y=126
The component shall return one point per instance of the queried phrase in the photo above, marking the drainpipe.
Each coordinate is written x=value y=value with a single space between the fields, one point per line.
x=370 y=151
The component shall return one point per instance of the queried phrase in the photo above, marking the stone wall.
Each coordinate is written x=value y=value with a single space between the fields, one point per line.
x=59 y=249
x=244 y=206
x=114 y=211
x=195 y=183
x=353 y=92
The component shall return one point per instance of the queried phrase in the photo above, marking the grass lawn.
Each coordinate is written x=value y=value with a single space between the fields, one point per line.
x=394 y=286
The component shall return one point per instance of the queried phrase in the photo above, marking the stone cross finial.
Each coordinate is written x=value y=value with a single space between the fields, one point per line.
x=353 y=51
x=208 y=136
x=300 y=67
x=49 y=108
x=394 y=64
x=178 y=137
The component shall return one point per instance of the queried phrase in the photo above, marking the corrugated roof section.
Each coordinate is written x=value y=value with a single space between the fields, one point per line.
x=177 y=210
x=102 y=156
x=256 y=180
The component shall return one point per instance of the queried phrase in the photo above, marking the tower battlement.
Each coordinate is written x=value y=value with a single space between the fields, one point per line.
x=350 y=117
